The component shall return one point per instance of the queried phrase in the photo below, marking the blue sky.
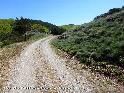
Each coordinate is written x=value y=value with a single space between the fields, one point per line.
x=58 y=12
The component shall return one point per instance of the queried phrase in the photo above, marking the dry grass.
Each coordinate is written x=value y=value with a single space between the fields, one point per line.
x=7 y=53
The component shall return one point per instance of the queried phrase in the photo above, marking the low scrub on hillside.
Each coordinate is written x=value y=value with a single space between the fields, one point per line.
x=70 y=27
x=22 y=29
x=99 y=44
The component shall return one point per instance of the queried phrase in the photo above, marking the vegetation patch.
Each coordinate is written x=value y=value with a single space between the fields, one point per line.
x=21 y=29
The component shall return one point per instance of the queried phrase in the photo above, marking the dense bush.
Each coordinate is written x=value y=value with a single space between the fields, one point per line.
x=53 y=29
x=111 y=11
x=70 y=27
x=5 y=27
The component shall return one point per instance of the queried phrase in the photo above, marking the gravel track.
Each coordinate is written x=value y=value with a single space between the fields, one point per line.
x=70 y=82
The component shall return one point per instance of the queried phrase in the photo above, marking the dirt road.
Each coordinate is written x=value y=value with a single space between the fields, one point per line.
x=39 y=70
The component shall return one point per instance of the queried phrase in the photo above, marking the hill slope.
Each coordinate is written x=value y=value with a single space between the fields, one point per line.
x=99 y=44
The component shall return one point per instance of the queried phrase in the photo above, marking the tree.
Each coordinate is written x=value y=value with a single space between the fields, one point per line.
x=122 y=7
x=40 y=28
x=57 y=31
x=21 y=26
